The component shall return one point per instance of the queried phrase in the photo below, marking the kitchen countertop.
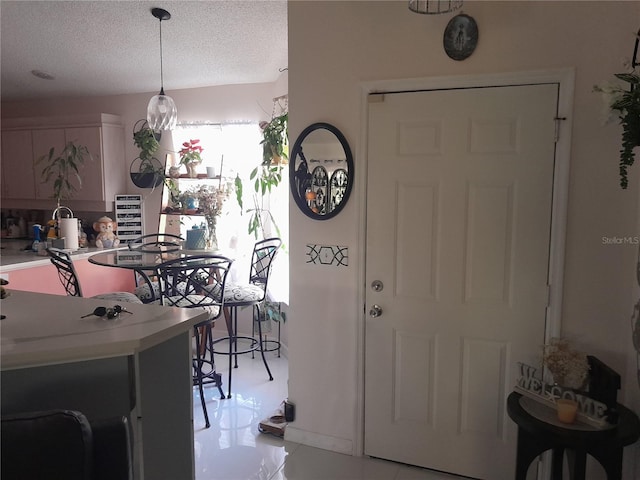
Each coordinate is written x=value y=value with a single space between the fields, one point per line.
x=28 y=340
x=13 y=257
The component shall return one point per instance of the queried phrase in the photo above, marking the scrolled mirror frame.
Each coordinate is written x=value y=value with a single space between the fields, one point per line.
x=294 y=162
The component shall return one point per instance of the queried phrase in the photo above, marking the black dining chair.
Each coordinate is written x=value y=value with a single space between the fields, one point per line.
x=251 y=294
x=69 y=279
x=198 y=281
x=147 y=288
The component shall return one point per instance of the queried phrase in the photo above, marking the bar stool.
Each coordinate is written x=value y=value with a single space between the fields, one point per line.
x=198 y=281
x=147 y=289
x=69 y=279
x=251 y=294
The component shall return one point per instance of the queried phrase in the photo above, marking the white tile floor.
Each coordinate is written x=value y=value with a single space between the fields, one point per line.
x=233 y=448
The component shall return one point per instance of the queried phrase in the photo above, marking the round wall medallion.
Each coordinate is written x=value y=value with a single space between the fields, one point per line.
x=460 y=37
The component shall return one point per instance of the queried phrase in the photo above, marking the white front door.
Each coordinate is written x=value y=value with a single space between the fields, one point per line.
x=459 y=198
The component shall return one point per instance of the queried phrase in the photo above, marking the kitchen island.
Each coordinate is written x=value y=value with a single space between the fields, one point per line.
x=137 y=365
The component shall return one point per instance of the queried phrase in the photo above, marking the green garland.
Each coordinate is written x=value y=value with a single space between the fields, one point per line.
x=627 y=103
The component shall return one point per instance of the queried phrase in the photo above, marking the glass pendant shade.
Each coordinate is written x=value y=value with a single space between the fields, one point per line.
x=434 y=7
x=162 y=113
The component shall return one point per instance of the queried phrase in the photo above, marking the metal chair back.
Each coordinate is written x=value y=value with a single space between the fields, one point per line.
x=156 y=241
x=66 y=271
x=194 y=281
x=264 y=252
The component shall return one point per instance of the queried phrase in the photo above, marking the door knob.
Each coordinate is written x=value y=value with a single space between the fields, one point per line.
x=375 y=311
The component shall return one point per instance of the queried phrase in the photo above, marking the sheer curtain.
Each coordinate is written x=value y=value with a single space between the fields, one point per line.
x=234 y=150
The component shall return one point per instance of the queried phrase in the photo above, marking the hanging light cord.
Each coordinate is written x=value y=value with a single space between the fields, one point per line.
x=161 y=71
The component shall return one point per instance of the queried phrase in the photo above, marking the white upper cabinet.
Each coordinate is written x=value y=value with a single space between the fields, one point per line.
x=17 y=165
x=102 y=177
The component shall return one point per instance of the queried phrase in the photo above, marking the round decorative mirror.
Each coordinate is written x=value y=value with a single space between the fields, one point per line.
x=321 y=171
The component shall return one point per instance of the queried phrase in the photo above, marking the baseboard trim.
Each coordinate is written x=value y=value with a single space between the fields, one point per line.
x=311 y=439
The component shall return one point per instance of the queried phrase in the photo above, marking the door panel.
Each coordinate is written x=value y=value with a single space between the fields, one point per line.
x=458 y=224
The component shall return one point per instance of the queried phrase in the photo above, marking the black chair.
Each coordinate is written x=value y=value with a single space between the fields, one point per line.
x=147 y=288
x=63 y=444
x=251 y=294
x=198 y=281
x=69 y=279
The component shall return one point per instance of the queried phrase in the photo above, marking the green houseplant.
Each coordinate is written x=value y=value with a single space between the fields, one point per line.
x=625 y=102
x=146 y=171
x=275 y=140
x=267 y=175
x=64 y=167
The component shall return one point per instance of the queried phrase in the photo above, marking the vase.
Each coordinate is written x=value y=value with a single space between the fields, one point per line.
x=212 y=240
x=174 y=172
x=191 y=203
x=191 y=170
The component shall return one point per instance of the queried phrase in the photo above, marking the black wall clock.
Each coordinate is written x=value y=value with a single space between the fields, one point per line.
x=460 y=37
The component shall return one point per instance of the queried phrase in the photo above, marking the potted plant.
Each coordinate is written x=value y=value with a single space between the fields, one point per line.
x=190 y=156
x=146 y=171
x=272 y=310
x=267 y=175
x=275 y=140
x=63 y=168
x=569 y=367
x=626 y=103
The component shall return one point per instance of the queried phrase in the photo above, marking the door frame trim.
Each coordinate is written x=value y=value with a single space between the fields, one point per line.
x=565 y=78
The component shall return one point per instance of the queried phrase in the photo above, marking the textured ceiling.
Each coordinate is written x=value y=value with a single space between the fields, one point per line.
x=113 y=47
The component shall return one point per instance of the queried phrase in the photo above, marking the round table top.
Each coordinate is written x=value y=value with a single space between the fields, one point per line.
x=626 y=432
x=144 y=259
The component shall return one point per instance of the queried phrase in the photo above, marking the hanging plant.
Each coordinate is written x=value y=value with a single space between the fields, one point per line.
x=146 y=171
x=267 y=175
x=275 y=140
x=625 y=104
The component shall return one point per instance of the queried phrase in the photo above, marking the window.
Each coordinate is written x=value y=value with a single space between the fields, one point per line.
x=235 y=150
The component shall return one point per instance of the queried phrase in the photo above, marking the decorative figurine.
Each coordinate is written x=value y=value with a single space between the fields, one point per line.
x=106 y=229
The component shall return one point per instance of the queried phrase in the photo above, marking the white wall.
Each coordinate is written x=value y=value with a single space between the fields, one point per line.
x=336 y=46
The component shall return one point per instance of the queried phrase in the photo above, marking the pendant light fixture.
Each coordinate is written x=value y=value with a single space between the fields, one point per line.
x=162 y=113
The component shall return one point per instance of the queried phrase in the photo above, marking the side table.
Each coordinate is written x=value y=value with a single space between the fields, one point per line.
x=605 y=445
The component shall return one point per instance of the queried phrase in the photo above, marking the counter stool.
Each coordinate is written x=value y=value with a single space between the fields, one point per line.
x=147 y=288
x=198 y=281
x=69 y=279
x=250 y=294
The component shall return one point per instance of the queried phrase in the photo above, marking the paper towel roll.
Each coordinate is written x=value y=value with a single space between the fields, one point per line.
x=69 y=231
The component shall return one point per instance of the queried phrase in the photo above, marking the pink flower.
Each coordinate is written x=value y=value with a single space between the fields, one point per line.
x=190 y=153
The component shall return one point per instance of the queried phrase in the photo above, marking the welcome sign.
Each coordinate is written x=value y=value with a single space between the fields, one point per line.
x=529 y=384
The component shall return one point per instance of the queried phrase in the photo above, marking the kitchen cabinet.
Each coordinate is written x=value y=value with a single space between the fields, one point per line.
x=102 y=178
x=17 y=165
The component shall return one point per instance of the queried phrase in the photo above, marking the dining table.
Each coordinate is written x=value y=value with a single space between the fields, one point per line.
x=145 y=261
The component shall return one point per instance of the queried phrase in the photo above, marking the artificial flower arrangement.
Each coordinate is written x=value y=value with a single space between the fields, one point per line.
x=190 y=152
x=625 y=104
x=210 y=201
x=569 y=367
